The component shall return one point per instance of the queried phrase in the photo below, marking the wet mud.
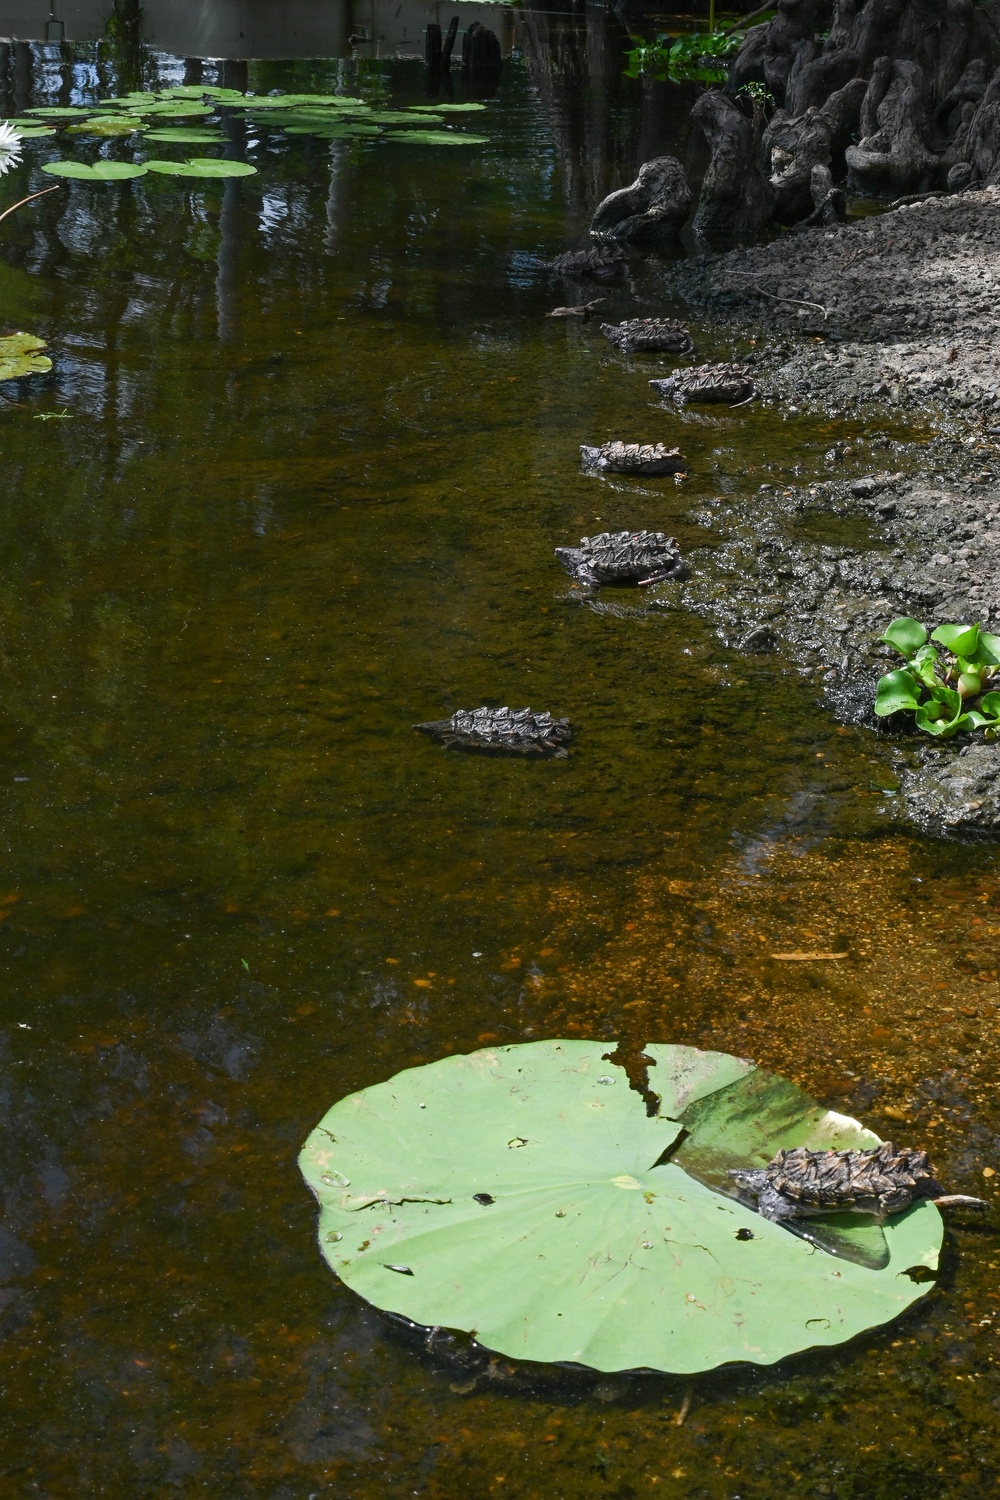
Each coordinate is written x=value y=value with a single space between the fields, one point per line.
x=888 y=315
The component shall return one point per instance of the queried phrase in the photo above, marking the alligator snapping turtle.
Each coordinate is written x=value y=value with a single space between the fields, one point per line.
x=800 y=1183
x=730 y=383
x=634 y=458
x=623 y=557
x=652 y=335
x=603 y=262
x=502 y=731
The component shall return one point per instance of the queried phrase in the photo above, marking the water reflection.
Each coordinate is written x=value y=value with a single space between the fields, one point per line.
x=322 y=443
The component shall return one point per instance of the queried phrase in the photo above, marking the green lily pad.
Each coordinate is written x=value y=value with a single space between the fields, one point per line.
x=33 y=132
x=181 y=137
x=202 y=166
x=296 y=101
x=19 y=356
x=58 y=111
x=202 y=91
x=449 y=109
x=404 y=117
x=109 y=125
x=101 y=171
x=334 y=132
x=177 y=109
x=523 y=1194
x=436 y=138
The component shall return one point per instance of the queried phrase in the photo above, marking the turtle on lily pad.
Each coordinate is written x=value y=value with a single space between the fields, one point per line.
x=525 y=1195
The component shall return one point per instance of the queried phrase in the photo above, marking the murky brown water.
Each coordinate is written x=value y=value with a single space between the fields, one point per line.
x=320 y=445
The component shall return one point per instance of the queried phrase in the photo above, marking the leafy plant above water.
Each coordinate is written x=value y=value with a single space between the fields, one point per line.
x=524 y=1195
x=695 y=56
x=947 y=690
x=20 y=355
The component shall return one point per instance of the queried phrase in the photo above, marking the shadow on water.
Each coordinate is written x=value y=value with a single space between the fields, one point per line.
x=321 y=443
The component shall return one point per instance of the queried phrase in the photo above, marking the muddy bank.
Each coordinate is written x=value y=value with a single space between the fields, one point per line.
x=893 y=312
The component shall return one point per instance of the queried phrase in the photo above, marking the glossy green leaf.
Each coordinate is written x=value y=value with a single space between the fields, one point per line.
x=449 y=109
x=179 y=110
x=990 y=703
x=905 y=634
x=436 y=138
x=109 y=125
x=202 y=167
x=334 y=132
x=404 y=117
x=101 y=171
x=989 y=648
x=961 y=639
x=181 y=137
x=33 y=132
x=59 y=112
x=598 y=1236
x=896 y=691
x=20 y=355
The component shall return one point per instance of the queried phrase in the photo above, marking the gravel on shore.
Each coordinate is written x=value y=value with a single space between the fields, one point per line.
x=899 y=310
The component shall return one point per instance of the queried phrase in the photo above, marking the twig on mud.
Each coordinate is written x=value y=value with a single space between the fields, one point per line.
x=759 y=291
x=685 y=1408
x=30 y=198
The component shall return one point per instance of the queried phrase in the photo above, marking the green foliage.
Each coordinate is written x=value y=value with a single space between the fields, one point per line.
x=182 y=137
x=524 y=1194
x=19 y=356
x=695 y=55
x=101 y=171
x=435 y=138
x=202 y=166
x=947 y=691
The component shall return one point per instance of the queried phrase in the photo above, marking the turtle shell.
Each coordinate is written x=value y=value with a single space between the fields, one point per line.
x=664 y=335
x=731 y=383
x=635 y=458
x=833 y=1179
x=624 y=556
x=516 y=731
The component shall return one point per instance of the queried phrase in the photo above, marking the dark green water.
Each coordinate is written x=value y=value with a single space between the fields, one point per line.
x=321 y=442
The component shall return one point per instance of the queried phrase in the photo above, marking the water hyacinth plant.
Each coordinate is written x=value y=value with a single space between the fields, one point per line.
x=946 y=690
x=10 y=147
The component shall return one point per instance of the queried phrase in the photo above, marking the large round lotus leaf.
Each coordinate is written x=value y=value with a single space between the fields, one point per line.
x=101 y=171
x=181 y=137
x=436 y=138
x=202 y=166
x=19 y=356
x=449 y=109
x=107 y=125
x=523 y=1194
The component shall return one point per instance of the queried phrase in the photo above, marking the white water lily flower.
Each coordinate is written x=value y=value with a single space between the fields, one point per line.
x=10 y=147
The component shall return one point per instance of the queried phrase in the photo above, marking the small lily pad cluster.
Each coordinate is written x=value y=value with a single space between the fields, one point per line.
x=947 y=690
x=188 y=115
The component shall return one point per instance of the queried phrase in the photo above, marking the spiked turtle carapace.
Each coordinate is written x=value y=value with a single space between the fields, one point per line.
x=622 y=557
x=799 y=1183
x=502 y=731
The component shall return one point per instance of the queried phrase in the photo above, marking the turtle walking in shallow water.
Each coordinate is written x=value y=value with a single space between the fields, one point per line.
x=640 y=557
x=729 y=383
x=649 y=335
x=502 y=731
x=799 y=1183
x=634 y=458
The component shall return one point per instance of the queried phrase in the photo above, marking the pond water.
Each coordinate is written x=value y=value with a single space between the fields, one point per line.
x=311 y=442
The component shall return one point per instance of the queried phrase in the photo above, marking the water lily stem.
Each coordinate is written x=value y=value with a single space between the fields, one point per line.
x=31 y=196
